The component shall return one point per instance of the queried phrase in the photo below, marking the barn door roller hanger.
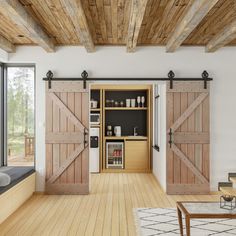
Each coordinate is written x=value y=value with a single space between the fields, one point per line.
x=171 y=77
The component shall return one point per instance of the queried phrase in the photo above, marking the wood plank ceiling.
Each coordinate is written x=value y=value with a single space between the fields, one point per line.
x=112 y=22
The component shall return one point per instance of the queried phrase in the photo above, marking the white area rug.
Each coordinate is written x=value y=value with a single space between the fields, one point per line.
x=164 y=221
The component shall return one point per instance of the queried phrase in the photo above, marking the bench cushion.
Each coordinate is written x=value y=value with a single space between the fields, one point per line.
x=5 y=179
x=16 y=174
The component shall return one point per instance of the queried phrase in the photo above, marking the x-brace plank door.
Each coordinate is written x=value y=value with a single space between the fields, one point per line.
x=188 y=143
x=67 y=127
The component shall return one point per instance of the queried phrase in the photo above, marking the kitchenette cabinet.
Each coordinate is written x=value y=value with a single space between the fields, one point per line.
x=136 y=155
x=127 y=109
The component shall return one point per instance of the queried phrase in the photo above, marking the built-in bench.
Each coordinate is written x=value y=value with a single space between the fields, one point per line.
x=21 y=188
x=16 y=174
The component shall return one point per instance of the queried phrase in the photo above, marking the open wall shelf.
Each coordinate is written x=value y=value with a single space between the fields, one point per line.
x=122 y=95
x=96 y=95
x=127 y=120
x=126 y=138
x=95 y=109
x=125 y=108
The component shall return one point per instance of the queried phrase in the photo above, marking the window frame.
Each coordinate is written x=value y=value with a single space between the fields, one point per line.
x=2 y=113
x=156 y=117
x=3 y=94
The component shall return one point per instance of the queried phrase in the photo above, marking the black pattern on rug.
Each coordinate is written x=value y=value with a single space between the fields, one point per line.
x=164 y=221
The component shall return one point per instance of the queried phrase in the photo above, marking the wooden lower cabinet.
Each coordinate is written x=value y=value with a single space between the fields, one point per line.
x=136 y=155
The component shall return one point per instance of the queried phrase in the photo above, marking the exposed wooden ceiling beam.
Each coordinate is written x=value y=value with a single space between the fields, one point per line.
x=136 y=18
x=75 y=10
x=6 y=45
x=194 y=15
x=14 y=11
x=222 y=38
x=167 y=14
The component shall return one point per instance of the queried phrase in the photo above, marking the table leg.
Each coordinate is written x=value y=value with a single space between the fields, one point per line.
x=187 y=219
x=180 y=221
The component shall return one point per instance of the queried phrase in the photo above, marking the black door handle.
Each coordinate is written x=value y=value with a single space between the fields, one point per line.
x=170 y=139
x=85 y=137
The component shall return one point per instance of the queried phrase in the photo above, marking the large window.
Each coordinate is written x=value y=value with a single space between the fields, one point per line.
x=19 y=118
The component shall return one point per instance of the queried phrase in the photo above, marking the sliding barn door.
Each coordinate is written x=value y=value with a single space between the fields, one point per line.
x=67 y=127
x=188 y=117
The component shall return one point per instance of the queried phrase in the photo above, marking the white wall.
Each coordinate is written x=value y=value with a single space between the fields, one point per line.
x=3 y=56
x=159 y=158
x=146 y=62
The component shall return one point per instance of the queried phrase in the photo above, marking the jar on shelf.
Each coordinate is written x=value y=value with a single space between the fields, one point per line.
x=108 y=103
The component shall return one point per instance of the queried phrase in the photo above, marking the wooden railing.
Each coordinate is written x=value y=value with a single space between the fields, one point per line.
x=29 y=145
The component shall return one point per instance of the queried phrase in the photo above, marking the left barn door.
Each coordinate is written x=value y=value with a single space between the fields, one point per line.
x=67 y=132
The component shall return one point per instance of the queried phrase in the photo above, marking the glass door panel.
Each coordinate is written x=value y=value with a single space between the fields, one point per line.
x=20 y=116
x=115 y=155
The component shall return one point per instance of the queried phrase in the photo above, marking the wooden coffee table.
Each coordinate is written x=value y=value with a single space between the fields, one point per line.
x=201 y=210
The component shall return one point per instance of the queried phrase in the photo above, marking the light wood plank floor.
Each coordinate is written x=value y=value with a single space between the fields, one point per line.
x=108 y=210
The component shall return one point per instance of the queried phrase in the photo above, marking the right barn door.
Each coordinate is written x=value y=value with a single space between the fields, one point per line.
x=188 y=138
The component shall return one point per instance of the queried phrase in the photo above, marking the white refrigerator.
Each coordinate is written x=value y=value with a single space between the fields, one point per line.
x=94 y=151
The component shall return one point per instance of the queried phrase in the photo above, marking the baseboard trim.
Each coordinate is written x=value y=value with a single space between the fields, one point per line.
x=39 y=193
x=67 y=189
x=187 y=189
